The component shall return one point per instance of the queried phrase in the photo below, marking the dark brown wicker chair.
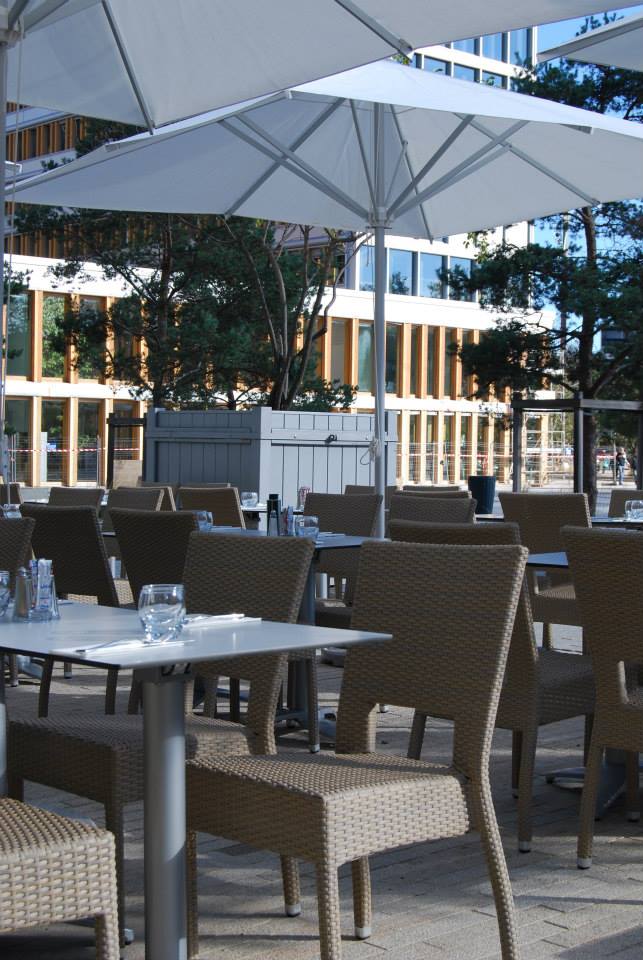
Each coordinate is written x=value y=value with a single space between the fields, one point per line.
x=10 y=493
x=222 y=502
x=336 y=809
x=170 y=491
x=130 y=498
x=430 y=509
x=76 y=497
x=539 y=687
x=15 y=551
x=618 y=499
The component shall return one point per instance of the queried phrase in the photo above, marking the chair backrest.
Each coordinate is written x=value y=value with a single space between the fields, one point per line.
x=15 y=544
x=607 y=572
x=130 y=498
x=261 y=577
x=450 y=641
x=127 y=472
x=433 y=509
x=153 y=544
x=355 y=514
x=71 y=538
x=353 y=489
x=618 y=499
x=222 y=502
x=522 y=664
x=10 y=493
x=169 y=492
x=540 y=516
x=76 y=497
x=443 y=492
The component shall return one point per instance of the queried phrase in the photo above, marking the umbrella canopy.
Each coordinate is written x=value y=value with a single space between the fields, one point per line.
x=382 y=147
x=150 y=62
x=618 y=44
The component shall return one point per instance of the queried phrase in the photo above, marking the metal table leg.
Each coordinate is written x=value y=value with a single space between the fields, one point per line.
x=164 y=815
x=4 y=786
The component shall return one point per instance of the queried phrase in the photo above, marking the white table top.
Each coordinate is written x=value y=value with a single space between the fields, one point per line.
x=82 y=625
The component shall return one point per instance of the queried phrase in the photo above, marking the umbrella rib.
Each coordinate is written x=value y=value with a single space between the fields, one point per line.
x=397 y=43
x=466 y=167
x=362 y=150
x=15 y=12
x=567 y=184
x=129 y=69
x=431 y=162
x=311 y=178
x=31 y=20
x=301 y=139
x=323 y=184
x=409 y=167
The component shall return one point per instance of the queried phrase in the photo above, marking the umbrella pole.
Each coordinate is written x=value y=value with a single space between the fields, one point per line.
x=4 y=451
x=380 y=372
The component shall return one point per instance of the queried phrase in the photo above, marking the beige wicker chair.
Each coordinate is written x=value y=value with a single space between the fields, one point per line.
x=428 y=509
x=540 y=517
x=15 y=551
x=607 y=567
x=101 y=757
x=130 y=498
x=71 y=538
x=76 y=497
x=539 y=687
x=341 y=808
x=619 y=498
x=52 y=870
x=170 y=491
x=153 y=544
x=222 y=502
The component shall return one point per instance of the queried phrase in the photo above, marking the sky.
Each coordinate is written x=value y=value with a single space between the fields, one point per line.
x=552 y=34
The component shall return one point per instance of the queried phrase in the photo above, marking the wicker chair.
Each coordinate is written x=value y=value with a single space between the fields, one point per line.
x=52 y=870
x=153 y=544
x=341 y=808
x=619 y=498
x=607 y=567
x=15 y=551
x=355 y=489
x=353 y=514
x=71 y=538
x=539 y=687
x=432 y=509
x=440 y=492
x=222 y=502
x=102 y=757
x=10 y=493
x=540 y=517
x=170 y=491
x=76 y=497
x=130 y=498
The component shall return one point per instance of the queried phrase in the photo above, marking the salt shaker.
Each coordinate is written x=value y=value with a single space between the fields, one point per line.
x=23 y=595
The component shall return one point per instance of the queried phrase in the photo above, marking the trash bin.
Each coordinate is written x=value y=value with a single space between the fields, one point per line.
x=483 y=491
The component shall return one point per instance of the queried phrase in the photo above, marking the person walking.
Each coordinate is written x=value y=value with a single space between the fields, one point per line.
x=621 y=463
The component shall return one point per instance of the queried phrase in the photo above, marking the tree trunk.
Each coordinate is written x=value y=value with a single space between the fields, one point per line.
x=589 y=462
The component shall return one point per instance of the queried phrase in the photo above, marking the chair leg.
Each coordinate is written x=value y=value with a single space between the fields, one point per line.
x=416 y=740
x=135 y=697
x=106 y=933
x=587 y=735
x=110 y=690
x=114 y=823
x=15 y=787
x=292 y=891
x=45 y=687
x=210 y=700
x=362 y=908
x=313 y=704
x=548 y=637
x=633 y=802
x=498 y=874
x=330 y=937
x=13 y=669
x=516 y=755
x=192 y=897
x=235 y=700
x=525 y=788
x=67 y=670
x=588 y=804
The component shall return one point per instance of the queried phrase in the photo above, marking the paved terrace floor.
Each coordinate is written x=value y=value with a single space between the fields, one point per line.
x=432 y=902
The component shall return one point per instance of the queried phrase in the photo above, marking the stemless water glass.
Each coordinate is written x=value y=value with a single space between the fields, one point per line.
x=161 y=607
x=636 y=510
x=307 y=526
x=249 y=498
x=204 y=520
x=5 y=591
x=627 y=510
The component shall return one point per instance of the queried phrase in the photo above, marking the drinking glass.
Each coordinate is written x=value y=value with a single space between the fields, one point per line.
x=636 y=510
x=161 y=608
x=307 y=526
x=11 y=511
x=204 y=520
x=628 y=510
x=5 y=591
x=249 y=498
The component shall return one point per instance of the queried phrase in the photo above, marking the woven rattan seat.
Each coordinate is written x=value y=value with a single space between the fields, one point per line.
x=153 y=544
x=222 y=502
x=52 y=870
x=130 y=498
x=539 y=687
x=429 y=509
x=607 y=567
x=76 y=497
x=337 y=809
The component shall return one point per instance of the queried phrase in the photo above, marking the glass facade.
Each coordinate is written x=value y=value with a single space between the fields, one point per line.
x=431 y=266
x=492 y=79
x=492 y=46
x=52 y=428
x=392 y=341
x=460 y=72
x=414 y=358
x=338 y=351
x=430 y=361
x=87 y=368
x=400 y=271
x=466 y=46
x=449 y=363
x=365 y=358
x=17 y=419
x=519 y=46
x=53 y=312
x=19 y=337
x=461 y=266
x=88 y=441
x=366 y=268
x=436 y=66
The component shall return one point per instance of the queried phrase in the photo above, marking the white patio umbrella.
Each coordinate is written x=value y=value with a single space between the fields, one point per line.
x=618 y=44
x=382 y=147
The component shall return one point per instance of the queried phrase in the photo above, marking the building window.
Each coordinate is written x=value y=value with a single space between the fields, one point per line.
x=46 y=138
x=367 y=268
x=467 y=46
x=53 y=358
x=88 y=441
x=62 y=135
x=492 y=46
x=492 y=79
x=400 y=271
x=431 y=267
x=430 y=361
x=449 y=362
x=465 y=446
x=18 y=427
x=468 y=385
x=446 y=464
x=392 y=340
x=365 y=358
x=436 y=66
x=33 y=142
x=519 y=46
x=19 y=337
x=52 y=427
x=461 y=267
x=461 y=72
x=415 y=354
x=89 y=368
x=338 y=350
